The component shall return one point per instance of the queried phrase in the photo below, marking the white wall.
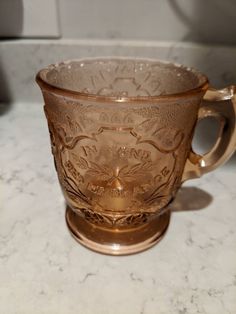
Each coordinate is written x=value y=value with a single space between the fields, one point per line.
x=207 y=21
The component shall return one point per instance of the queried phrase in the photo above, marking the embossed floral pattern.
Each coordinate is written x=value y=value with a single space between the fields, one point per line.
x=116 y=168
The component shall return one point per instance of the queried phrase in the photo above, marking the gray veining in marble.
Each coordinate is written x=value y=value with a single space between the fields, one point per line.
x=43 y=270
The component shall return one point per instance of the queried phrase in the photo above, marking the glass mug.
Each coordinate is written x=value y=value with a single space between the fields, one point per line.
x=121 y=131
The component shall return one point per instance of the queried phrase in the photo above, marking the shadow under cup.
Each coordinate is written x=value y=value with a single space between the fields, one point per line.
x=121 y=132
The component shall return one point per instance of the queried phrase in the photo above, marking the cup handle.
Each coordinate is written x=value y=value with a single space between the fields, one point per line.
x=221 y=105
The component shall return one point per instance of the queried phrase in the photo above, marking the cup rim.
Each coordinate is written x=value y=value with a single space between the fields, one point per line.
x=45 y=85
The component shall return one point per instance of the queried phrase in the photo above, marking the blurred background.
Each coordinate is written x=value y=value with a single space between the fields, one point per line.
x=211 y=22
x=34 y=33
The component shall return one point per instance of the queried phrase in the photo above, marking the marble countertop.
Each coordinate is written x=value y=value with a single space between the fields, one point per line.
x=43 y=270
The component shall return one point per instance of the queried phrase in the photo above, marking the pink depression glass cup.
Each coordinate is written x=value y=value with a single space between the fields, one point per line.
x=121 y=131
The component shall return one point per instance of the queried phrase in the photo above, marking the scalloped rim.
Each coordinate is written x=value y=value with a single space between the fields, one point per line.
x=45 y=85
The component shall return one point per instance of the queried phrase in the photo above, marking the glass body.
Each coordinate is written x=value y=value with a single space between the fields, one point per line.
x=121 y=133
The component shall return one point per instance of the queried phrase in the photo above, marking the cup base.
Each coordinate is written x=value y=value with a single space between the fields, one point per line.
x=117 y=241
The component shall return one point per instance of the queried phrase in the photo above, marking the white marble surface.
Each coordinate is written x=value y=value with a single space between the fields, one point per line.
x=44 y=271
